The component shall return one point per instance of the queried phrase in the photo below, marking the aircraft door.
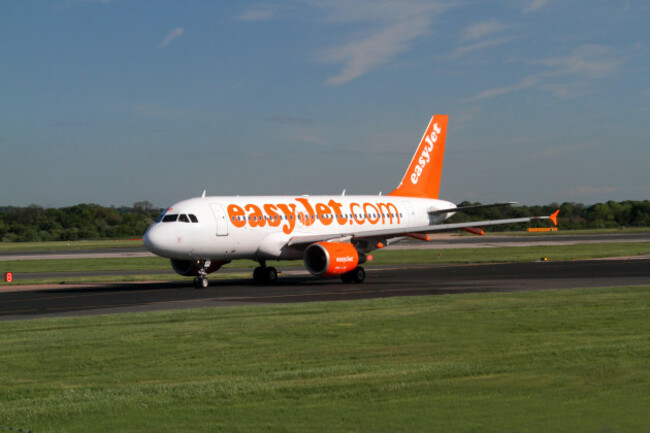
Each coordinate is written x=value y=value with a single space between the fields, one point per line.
x=220 y=217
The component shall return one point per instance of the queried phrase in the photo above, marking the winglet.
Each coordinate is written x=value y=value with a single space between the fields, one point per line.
x=553 y=216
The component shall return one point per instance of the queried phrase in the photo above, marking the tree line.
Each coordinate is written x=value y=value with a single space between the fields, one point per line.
x=573 y=216
x=80 y=222
x=92 y=221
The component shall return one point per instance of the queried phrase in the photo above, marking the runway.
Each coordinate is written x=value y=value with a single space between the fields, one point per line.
x=73 y=300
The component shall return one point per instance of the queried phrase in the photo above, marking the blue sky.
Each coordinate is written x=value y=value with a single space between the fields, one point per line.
x=117 y=101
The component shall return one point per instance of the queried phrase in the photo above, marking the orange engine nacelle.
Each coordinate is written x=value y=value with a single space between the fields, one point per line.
x=190 y=268
x=327 y=259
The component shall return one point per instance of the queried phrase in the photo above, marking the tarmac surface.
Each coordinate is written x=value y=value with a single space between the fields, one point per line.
x=381 y=282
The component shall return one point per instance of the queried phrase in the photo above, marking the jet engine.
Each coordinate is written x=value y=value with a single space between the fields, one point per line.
x=190 y=268
x=327 y=259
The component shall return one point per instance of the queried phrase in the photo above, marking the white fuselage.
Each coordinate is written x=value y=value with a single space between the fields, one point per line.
x=261 y=227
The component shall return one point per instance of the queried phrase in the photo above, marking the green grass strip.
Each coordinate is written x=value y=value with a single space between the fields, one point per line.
x=66 y=246
x=511 y=254
x=543 y=361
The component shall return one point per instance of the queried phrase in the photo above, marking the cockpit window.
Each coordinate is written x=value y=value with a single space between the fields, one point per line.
x=160 y=217
x=169 y=218
x=183 y=218
x=193 y=218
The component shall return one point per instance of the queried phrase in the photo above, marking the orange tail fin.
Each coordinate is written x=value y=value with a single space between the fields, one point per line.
x=422 y=179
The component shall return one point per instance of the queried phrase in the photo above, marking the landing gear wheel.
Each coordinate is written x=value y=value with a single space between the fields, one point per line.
x=264 y=275
x=258 y=275
x=358 y=274
x=200 y=282
x=271 y=275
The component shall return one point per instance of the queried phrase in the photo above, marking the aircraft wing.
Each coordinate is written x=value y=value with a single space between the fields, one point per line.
x=296 y=241
x=472 y=207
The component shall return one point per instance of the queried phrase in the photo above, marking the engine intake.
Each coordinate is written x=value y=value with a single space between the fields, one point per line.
x=190 y=268
x=327 y=259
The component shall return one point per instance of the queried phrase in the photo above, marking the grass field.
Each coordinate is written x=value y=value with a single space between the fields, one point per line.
x=543 y=361
x=20 y=247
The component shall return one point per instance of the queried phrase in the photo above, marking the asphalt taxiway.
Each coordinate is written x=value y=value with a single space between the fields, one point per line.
x=381 y=282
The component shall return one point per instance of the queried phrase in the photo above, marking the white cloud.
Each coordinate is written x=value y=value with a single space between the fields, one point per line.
x=526 y=83
x=568 y=90
x=535 y=6
x=258 y=14
x=490 y=43
x=587 y=61
x=480 y=30
x=389 y=28
x=173 y=35
x=359 y=57
x=475 y=37
x=565 y=76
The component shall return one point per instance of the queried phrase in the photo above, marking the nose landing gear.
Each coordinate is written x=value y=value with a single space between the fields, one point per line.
x=201 y=281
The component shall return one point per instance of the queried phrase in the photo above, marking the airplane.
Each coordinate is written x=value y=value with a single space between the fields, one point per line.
x=331 y=234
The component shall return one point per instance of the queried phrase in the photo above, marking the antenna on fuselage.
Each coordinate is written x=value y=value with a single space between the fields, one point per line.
x=203 y=195
x=343 y=193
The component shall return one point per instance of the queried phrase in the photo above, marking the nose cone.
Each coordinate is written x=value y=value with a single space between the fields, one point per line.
x=154 y=241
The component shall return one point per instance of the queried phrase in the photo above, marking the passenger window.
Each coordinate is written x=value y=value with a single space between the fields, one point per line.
x=193 y=218
x=170 y=218
x=183 y=218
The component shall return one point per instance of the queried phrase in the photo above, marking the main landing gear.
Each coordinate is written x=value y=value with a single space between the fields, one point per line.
x=357 y=275
x=265 y=275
